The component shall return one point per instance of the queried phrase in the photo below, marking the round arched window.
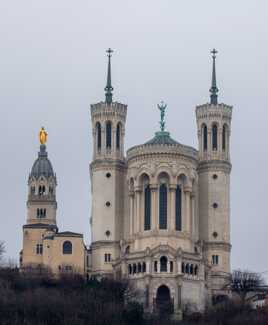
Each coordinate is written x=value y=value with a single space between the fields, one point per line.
x=67 y=247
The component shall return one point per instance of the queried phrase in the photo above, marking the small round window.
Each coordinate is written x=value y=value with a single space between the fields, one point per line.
x=108 y=204
x=215 y=176
x=108 y=175
x=215 y=205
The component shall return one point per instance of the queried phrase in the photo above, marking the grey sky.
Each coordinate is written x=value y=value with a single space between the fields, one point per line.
x=53 y=65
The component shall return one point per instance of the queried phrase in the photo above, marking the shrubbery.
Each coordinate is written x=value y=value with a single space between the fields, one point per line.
x=30 y=299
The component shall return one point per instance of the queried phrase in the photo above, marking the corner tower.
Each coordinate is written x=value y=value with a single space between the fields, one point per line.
x=108 y=174
x=214 y=129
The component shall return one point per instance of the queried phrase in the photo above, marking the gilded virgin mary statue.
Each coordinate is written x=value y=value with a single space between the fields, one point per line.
x=42 y=136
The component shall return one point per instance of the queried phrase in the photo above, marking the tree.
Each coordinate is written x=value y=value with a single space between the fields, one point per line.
x=2 y=250
x=245 y=282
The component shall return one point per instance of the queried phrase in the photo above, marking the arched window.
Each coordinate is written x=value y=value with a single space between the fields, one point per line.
x=38 y=213
x=67 y=247
x=178 y=208
x=98 y=132
x=171 y=266
x=118 y=135
x=224 y=138
x=147 y=208
x=195 y=269
x=134 y=268
x=214 y=137
x=143 y=267
x=163 y=264
x=129 y=269
x=163 y=206
x=155 y=266
x=187 y=268
x=108 y=134
x=205 y=138
x=139 y=267
x=182 y=268
x=191 y=269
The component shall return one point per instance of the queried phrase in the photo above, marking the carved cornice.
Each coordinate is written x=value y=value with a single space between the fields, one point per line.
x=218 y=245
x=214 y=165
x=173 y=151
x=108 y=164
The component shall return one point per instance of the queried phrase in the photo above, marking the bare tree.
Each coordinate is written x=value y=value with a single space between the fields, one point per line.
x=2 y=249
x=245 y=284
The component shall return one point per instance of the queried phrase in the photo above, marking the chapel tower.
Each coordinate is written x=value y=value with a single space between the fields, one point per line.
x=41 y=206
x=214 y=127
x=107 y=172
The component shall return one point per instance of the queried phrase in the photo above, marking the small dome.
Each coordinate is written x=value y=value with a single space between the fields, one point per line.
x=42 y=166
x=162 y=137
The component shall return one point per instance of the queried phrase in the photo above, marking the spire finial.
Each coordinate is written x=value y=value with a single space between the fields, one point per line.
x=214 y=90
x=108 y=89
x=162 y=107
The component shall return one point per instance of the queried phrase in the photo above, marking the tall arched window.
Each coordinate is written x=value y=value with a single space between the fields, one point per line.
x=67 y=247
x=108 y=134
x=205 y=138
x=178 y=208
x=163 y=206
x=214 y=137
x=163 y=264
x=98 y=133
x=118 y=135
x=147 y=208
x=224 y=138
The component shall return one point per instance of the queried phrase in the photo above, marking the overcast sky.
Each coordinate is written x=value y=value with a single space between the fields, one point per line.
x=53 y=66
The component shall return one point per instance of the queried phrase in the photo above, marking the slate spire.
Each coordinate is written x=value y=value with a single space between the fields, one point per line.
x=214 y=90
x=108 y=89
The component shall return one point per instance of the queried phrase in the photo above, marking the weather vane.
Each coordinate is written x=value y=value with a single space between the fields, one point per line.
x=162 y=107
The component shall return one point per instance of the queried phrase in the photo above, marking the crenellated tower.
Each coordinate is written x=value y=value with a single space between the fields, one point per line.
x=214 y=128
x=108 y=170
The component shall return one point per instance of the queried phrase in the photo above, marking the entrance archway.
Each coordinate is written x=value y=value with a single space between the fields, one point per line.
x=164 y=302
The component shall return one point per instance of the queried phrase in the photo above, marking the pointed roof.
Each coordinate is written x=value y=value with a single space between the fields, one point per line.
x=214 y=90
x=108 y=89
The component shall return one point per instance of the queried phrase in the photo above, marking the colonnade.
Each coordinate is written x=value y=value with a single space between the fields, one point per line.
x=137 y=209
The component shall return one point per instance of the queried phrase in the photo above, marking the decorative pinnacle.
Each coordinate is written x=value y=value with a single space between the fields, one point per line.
x=214 y=90
x=162 y=107
x=108 y=89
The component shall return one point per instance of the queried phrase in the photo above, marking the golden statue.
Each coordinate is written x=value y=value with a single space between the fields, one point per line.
x=42 y=136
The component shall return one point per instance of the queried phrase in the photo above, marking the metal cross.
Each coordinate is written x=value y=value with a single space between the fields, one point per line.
x=109 y=51
x=214 y=52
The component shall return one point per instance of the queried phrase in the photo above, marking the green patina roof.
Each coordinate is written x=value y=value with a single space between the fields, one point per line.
x=162 y=137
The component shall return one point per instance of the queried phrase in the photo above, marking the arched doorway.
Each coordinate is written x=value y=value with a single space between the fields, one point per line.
x=164 y=304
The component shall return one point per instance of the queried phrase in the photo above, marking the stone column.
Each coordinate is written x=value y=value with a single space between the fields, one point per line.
x=209 y=150
x=220 y=140
x=187 y=209
x=131 y=212
x=172 y=222
x=154 y=222
x=103 y=141
x=193 y=215
x=138 y=212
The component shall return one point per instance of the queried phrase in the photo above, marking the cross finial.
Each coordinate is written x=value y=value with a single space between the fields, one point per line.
x=162 y=107
x=214 y=52
x=108 y=89
x=109 y=51
x=214 y=90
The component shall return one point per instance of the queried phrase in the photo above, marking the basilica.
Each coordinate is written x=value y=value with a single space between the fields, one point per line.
x=160 y=214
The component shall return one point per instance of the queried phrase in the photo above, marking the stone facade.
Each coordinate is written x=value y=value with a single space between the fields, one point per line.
x=160 y=214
